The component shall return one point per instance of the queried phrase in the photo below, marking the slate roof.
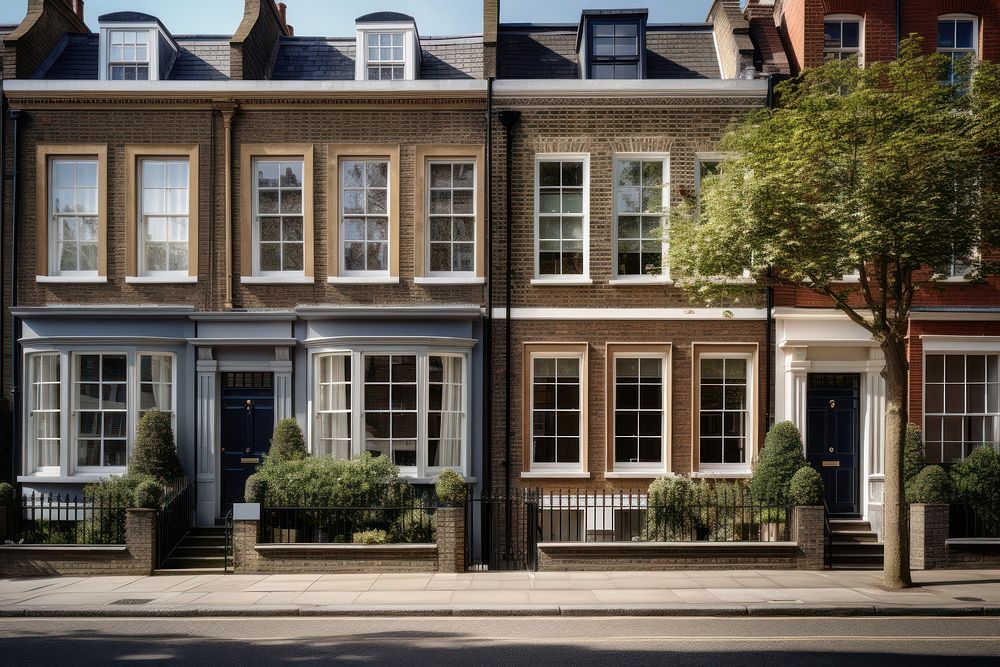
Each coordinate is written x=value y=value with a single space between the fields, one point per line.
x=199 y=58
x=332 y=58
x=549 y=52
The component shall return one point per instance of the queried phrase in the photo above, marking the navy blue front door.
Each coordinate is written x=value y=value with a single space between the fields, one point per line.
x=247 y=426
x=833 y=437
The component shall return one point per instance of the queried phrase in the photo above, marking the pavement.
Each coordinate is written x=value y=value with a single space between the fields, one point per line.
x=693 y=593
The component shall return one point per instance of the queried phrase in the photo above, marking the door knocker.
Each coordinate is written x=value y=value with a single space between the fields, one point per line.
x=833 y=403
x=249 y=406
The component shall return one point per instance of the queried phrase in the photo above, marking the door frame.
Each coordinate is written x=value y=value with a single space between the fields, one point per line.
x=220 y=406
x=859 y=448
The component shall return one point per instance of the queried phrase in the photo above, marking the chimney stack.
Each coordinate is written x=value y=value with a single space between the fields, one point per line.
x=78 y=9
x=282 y=13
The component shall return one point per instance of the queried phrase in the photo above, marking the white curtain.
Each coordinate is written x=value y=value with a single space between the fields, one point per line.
x=335 y=405
x=162 y=376
x=450 y=449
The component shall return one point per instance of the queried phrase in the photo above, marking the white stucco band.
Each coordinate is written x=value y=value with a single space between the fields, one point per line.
x=828 y=342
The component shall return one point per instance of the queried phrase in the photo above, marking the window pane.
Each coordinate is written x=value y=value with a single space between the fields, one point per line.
x=946 y=34
x=851 y=35
x=963 y=34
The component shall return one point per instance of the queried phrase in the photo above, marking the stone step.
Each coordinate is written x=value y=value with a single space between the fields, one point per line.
x=856 y=548
x=855 y=536
x=187 y=549
x=193 y=562
x=173 y=572
x=837 y=525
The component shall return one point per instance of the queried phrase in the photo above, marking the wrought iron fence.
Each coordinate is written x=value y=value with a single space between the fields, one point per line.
x=39 y=518
x=501 y=531
x=631 y=516
x=228 y=557
x=975 y=519
x=175 y=520
x=407 y=522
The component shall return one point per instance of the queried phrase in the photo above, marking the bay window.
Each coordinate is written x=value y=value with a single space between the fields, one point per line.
x=102 y=394
x=410 y=406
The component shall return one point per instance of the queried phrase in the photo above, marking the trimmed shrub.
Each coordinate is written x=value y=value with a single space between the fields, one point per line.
x=371 y=537
x=930 y=485
x=148 y=495
x=255 y=488
x=806 y=487
x=6 y=494
x=287 y=443
x=777 y=463
x=670 y=516
x=450 y=488
x=914 y=456
x=977 y=482
x=155 y=453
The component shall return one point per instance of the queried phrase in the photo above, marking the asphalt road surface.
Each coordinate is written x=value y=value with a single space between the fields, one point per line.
x=502 y=641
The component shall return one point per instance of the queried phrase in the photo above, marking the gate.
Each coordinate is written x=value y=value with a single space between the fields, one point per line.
x=501 y=531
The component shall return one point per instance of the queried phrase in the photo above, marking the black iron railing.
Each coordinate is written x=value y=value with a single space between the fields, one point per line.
x=631 y=516
x=975 y=519
x=227 y=562
x=174 y=521
x=39 y=518
x=408 y=522
x=501 y=531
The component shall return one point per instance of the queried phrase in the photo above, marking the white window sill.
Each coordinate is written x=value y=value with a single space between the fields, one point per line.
x=555 y=474
x=952 y=279
x=556 y=281
x=634 y=474
x=722 y=474
x=848 y=279
x=82 y=478
x=442 y=280
x=635 y=281
x=277 y=280
x=363 y=280
x=71 y=279
x=158 y=280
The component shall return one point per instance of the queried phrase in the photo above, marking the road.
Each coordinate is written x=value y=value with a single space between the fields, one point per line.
x=502 y=641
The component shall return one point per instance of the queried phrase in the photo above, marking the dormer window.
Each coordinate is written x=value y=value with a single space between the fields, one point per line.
x=388 y=48
x=614 y=50
x=135 y=47
x=385 y=56
x=128 y=55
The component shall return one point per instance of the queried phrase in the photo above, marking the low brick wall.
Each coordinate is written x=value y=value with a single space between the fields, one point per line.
x=930 y=548
x=804 y=553
x=136 y=556
x=446 y=555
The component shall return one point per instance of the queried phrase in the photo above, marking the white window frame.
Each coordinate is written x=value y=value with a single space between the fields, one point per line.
x=178 y=275
x=152 y=51
x=637 y=466
x=422 y=471
x=847 y=18
x=577 y=467
x=975 y=350
x=341 y=215
x=664 y=275
x=31 y=464
x=749 y=434
x=54 y=225
x=69 y=469
x=255 y=215
x=474 y=216
x=975 y=36
x=563 y=279
x=411 y=50
x=716 y=157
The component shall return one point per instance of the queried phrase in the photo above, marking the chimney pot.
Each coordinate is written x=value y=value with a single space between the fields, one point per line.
x=290 y=30
x=77 y=6
x=282 y=13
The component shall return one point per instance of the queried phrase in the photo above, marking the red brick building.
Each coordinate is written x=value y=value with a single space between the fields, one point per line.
x=822 y=360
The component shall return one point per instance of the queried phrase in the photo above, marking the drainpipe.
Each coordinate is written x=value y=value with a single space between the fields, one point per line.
x=899 y=24
x=3 y=183
x=15 y=399
x=769 y=333
x=509 y=119
x=487 y=455
x=227 y=121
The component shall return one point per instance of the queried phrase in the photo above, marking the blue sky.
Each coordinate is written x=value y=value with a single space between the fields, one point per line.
x=336 y=17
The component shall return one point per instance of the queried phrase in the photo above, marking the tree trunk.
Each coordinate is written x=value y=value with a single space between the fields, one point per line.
x=895 y=520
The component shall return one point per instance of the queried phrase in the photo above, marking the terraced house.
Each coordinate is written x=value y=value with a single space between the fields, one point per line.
x=237 y=229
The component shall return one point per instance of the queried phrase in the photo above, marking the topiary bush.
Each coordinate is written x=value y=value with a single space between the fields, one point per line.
x=148 y=495
x=6 y=494
x=450 y=488
x=670 y=516
x=155 y=453
x=931 y=485
x=364 y=481
x=806 y=487
x=777 y=463
x=287 y=443
x=914 y=454
x=371 y=537
x=255 y=488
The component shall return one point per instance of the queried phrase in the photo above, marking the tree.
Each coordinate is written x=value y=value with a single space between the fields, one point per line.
x=879 y=171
